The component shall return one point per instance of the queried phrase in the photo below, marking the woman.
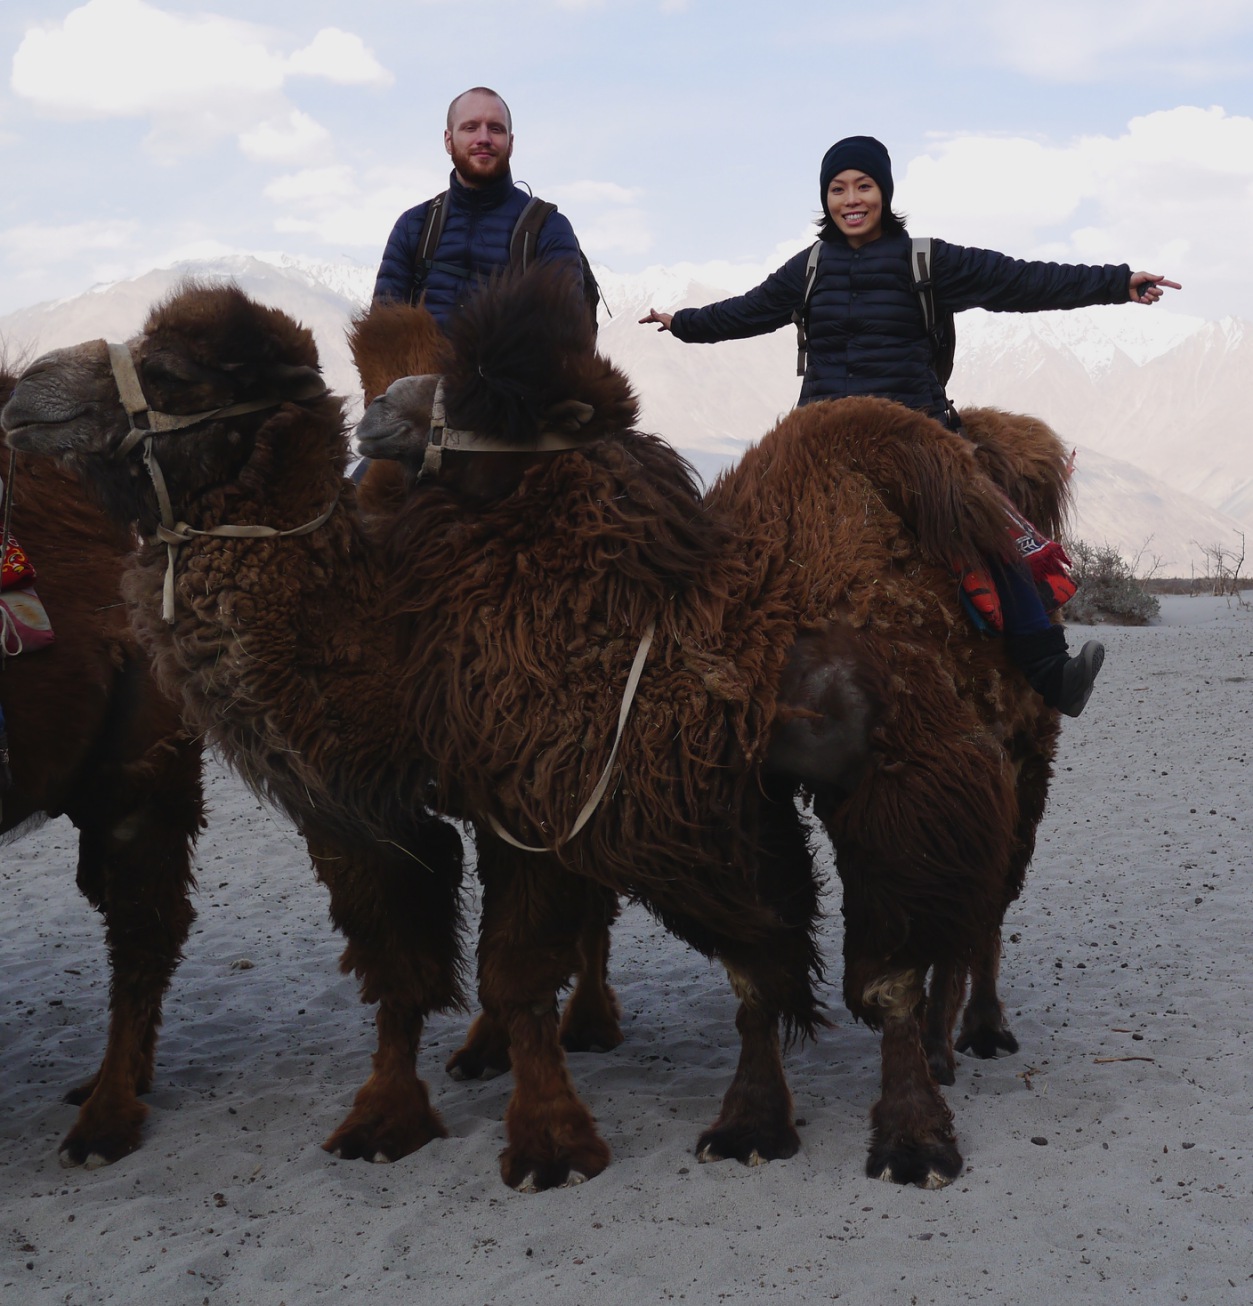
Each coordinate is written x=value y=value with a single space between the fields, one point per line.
x=865 y=335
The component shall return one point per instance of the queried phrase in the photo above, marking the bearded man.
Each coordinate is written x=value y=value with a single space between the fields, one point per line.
x=440 y=250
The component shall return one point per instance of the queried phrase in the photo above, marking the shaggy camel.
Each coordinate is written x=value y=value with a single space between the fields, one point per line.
x=1020 y=455
x=394 y=345
x=472 y=661
x=91 y=738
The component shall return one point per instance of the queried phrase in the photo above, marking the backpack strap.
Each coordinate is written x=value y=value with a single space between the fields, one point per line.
x=939 y=332
x=920 y=272
x=801 y=315
x=526 y=231
x=428 y=242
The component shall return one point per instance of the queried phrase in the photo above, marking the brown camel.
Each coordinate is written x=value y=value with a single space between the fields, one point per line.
x=475 y=660
x=92 y=738
x=1021 y=455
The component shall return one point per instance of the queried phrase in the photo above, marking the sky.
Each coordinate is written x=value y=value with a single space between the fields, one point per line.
x=677 y=133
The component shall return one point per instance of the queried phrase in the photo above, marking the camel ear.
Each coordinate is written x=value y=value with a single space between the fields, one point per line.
x=569 y=416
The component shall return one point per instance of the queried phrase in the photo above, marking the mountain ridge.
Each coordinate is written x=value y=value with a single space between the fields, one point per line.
x=1152 y=400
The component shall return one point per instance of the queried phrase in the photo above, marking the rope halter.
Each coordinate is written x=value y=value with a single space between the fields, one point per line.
x=145 y=422
x=441 y=436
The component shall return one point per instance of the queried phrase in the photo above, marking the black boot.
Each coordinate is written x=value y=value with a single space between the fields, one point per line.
x=1061 y=681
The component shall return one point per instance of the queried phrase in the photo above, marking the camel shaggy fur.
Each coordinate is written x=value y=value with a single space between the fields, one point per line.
x=470 y=660
x=845 y=522
x=92 y=738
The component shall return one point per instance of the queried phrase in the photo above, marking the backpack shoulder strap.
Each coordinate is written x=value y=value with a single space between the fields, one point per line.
x=920 y=272
x=428 y=242
x=526 y=232
x=432 y=227
x=801 y=315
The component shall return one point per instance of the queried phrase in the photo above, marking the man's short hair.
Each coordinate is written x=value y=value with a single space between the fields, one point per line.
x=481 y=90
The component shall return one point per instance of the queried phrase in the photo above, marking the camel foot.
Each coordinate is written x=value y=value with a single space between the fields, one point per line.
x=386 y=1123
x=749 y=1143
x=560 y=1167
x=552 y=1144
x=933 y=1164
x=986 y=1041
x=103 y=1135
x=601 y=1034
x=484 y=1054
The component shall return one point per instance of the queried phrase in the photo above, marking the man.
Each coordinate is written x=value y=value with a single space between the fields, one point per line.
x=481 y=208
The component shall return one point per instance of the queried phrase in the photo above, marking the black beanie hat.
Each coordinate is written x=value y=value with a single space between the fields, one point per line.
x=866 y=155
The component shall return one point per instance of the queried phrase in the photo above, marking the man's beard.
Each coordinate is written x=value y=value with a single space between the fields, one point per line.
x=476 y=169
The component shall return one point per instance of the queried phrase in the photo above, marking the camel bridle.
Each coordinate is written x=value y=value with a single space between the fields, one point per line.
x=441 y=436
x=145 y=422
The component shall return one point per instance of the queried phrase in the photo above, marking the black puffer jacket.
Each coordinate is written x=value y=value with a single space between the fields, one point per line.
x=866 y=331
x=474 y=244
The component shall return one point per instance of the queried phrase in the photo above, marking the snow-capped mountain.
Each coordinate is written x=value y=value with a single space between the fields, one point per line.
x=1152 y=400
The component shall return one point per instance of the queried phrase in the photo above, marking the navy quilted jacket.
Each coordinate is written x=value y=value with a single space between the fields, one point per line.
x=866 y=330
x=475 y=242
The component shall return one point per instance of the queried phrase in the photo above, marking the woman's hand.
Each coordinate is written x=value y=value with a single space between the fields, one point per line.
x=663 y=319
x=1147 y=287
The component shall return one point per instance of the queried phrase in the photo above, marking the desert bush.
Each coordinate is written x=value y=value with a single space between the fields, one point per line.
x=1108 y=588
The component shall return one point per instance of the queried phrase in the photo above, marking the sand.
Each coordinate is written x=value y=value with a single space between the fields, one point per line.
x=1109 y=1161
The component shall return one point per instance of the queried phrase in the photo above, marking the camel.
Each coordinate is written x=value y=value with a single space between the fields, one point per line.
x=469 y=657
x=92 y=738
x=1021 y=455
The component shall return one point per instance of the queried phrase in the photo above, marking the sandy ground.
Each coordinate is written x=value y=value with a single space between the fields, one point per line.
x=1109 y=1161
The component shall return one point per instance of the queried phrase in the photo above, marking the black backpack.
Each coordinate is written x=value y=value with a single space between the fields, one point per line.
x=941 y=329
x=522 y=244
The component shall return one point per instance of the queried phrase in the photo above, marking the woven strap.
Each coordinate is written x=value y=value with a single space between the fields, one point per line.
x=585 y=815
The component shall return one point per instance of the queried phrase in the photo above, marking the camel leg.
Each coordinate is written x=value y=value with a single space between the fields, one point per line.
x=590 y=1022
x=755 y=1123
x=401 y=916
x=533 y=911
x=944 y=996
x=485 y=1053
x=138 y=874
x=984 y=1030
x=912 y=1138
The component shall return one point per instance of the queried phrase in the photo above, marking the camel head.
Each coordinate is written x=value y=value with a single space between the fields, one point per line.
x=389 y=341
x=522 y=379
x=204 y=353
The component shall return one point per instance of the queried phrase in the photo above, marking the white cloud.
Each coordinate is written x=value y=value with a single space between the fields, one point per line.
x=196 y=77
x=125 y=58
x=291 y=138
x=1172 y=194
x=340 y=57
x=39 y=244
x=1083 y=39
x=337 y=207
x=593 y=192
x=313 y=186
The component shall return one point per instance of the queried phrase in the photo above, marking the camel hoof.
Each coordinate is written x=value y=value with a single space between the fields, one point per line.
x=931 y=1166
x=749 y=1146
x=465 y=1065
x=987 y=1043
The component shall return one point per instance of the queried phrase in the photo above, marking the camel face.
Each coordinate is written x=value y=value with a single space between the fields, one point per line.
x=66 y=404
x=397 y=423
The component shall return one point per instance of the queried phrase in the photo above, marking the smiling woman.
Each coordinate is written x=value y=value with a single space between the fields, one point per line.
x=855 y=298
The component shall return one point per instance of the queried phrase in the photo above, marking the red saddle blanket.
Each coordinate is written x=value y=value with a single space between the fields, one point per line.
x=1045 y=559
x=24 y=624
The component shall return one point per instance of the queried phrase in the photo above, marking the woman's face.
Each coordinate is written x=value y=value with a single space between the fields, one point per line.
x=855 y=204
